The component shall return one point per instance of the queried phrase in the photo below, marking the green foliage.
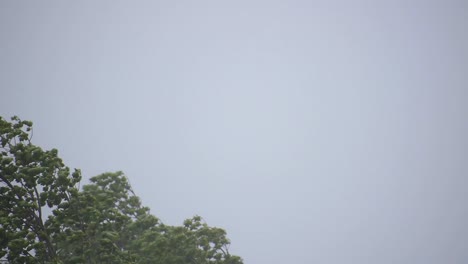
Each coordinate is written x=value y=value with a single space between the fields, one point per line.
x=30 y=179
x=103 y=223
x=99 y=220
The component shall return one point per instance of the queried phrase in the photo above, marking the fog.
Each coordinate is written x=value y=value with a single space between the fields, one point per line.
x=311 y=131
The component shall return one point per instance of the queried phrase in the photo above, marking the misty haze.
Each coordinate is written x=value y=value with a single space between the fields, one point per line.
x=310 y=131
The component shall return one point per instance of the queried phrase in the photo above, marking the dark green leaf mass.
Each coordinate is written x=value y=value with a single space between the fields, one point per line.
x=45 y=218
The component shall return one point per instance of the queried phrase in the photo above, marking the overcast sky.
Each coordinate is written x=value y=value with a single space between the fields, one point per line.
x=313 y=132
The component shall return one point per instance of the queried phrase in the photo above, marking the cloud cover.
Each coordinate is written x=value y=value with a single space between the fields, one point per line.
x=313 y=132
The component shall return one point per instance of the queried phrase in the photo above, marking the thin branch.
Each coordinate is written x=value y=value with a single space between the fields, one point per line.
x=32 y=133
x=39 y=207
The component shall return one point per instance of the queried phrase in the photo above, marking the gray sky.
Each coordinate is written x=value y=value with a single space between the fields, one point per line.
x=313 y=132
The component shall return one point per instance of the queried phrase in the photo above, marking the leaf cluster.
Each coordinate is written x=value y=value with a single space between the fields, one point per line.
x=30 y=180
x=104 y=222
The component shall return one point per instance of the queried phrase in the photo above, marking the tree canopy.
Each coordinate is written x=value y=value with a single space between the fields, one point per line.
x=46 y=218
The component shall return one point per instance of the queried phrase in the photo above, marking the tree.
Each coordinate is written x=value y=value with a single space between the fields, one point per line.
x=97 y=226
x=104 y=222
x=194 y=242
x=30 y=180
x=110 y=225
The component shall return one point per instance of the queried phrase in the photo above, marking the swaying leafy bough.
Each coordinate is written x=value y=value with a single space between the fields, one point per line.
x=102 y=223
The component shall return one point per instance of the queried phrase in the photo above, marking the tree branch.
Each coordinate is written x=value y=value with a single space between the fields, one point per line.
x=39 y=207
